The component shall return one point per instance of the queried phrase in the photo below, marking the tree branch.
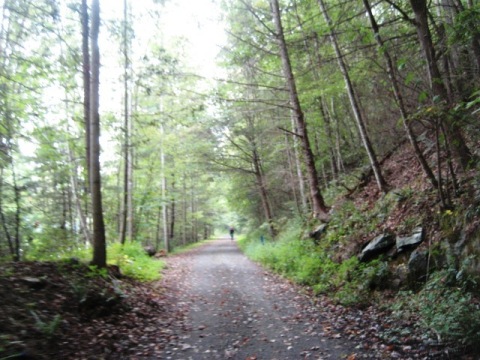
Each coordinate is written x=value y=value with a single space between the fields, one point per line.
x=289 y=132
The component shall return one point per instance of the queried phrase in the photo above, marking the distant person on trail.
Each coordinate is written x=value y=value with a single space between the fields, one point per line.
x=232 y=231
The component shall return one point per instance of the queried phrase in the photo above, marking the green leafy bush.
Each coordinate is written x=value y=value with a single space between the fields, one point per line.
x=130 y=258
x=309 y=264
x=48 y=328
x=50 y=245
x=446 y=311
x=134 y=262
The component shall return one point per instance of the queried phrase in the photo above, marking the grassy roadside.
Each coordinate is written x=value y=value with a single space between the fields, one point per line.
x=446 y=305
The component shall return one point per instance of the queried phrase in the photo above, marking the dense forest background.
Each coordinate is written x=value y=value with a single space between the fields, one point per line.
x=310 y=92
x=339 y=138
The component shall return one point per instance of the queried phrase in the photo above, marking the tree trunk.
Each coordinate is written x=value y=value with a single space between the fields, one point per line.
x=11 y=245
x=86 y=113
x=381 y=183
x=76 y=199
x=436 y=82
x=291 y=174
x=329 y=135
x=315 y=61
x=320 y=210
x=158 y=236
x=126 y=139
x=86 y=79
x=398 y=96
x=338 y=150
x=299 y=171
x=171 y=234
x=99 y=241
x=164 y=194
x=130 y=182
x=262 y=188
x=184 y=209
x=17 y=195
x=194 y=216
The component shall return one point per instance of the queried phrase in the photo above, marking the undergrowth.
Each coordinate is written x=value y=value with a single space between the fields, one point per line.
x=446 y=310
x=306 y=263
x=445 y=307
x=131 y=259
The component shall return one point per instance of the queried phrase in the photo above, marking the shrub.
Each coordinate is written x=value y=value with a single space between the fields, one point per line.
x=134 y=262
x=448 y=313
x=349 y=282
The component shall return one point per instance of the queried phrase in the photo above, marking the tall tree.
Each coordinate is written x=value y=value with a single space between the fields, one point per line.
x=99 y=241
x=124 y=210
x=398 y=94
x=166 y=239
x=86 y=77
x=320 y=210
x=436 y=81
x=354 y=102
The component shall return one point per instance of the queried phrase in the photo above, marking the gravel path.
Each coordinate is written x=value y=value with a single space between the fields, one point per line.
x=237 y=310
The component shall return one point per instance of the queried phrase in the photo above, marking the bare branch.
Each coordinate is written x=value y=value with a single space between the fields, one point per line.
x=289 y=132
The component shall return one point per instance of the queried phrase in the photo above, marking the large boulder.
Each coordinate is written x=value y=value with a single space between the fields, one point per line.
x=417 y=267
x=409 y=242
x=381 y=244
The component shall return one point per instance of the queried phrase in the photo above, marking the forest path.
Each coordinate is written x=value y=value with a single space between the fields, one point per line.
x=234 y=309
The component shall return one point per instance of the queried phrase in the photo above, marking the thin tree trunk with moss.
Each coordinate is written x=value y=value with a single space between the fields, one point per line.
x=184 y=209
x=86 y=78
x=291 y=174
x=298 y=168
x=99 y=241
x=171 y=230
x=381 y=183
x=130 y=171
x=437 y=85
x=331 y=113
x=315 y=61
x=76 y=198
x=398 y=96
x=262 y=188
x=166 y=240
x=126 y=134
x=329 y=136
x=320 y=210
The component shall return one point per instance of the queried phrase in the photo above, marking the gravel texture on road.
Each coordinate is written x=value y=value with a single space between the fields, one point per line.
x=234 y=309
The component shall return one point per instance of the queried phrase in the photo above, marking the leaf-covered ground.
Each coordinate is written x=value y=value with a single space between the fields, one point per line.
x=63 y=311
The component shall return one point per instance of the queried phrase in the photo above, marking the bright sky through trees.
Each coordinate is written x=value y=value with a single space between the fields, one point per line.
x=195 y=24
x=191 y=28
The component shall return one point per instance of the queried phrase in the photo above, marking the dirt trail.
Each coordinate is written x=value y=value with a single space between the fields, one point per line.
x=237 y=310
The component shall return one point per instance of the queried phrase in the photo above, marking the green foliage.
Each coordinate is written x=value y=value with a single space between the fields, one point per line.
x=47 y=328
x=466 y=25
x=349 y=221
x=348 y=281
x=97 y=272
x=51 y=244
x=130 y=258
x=134 y=262
x=446 y=310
